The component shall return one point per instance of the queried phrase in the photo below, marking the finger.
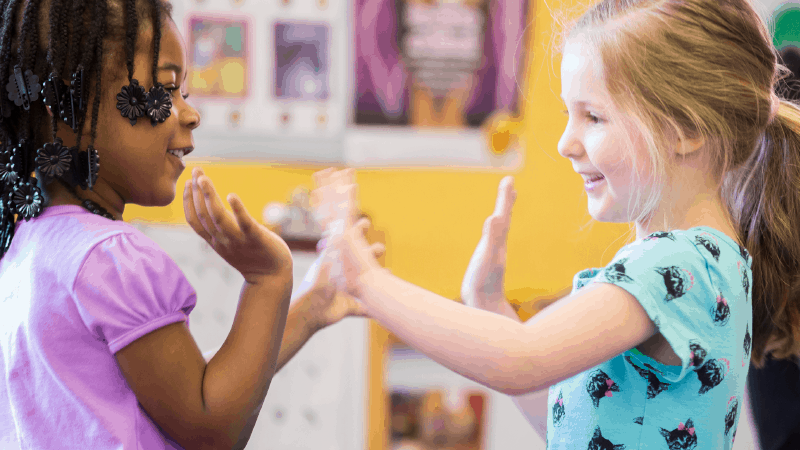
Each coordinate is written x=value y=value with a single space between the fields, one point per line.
x=322 y=177
x=378 y=249
x=191 y=215
x=362 y=226
x=200 y=207
x=220 y=217
x=244 y=220
x=505 y=194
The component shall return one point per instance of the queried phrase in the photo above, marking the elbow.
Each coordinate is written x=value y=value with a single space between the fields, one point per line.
x=518 y=377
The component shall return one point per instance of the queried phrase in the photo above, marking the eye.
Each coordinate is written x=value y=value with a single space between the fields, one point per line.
x=172 y=90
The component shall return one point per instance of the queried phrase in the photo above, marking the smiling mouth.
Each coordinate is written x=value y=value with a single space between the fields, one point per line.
x=180 y=152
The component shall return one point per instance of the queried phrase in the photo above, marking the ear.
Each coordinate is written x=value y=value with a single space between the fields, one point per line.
x=688 y=146
x=664 y=433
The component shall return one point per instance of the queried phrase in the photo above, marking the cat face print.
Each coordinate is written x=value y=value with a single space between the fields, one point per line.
x=721 y=312
x=660 y=235
x=677 y=281
x=697 y=355
x=732 y=415
x=745 y=278
x=712 y=373
x=600 y=386
x=682 y=438
x=743 y=251
x=598 y=442
x=615 y=272
x=748 y=345
x=654 y=385
x=708 y=242
x=558 y=410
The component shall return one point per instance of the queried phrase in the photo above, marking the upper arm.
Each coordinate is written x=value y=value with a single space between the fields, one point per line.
x=581 y=331
x=165 y=370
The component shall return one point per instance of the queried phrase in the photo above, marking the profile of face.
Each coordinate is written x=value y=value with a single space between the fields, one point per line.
x=603 y=147
x=135 y=164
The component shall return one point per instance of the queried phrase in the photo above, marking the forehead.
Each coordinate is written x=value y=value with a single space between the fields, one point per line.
x=581 y=77
x=173 y=49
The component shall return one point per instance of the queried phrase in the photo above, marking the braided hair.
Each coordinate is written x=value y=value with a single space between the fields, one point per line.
x=51 y=53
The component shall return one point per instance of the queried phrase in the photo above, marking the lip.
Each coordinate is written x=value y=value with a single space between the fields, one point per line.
x=186 y=150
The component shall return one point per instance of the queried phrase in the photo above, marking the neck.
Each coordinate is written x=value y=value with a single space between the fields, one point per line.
x=703 y=208
x=59 y=193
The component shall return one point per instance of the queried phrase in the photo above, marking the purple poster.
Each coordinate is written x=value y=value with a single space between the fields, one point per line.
x=423 y=63
x=302 y=66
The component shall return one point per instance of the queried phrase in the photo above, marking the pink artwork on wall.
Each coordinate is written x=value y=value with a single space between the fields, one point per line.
x=421 y=62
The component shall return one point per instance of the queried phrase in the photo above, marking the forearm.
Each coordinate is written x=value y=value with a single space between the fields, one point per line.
x=300 y=326
x=480 y=345
x=237 y=378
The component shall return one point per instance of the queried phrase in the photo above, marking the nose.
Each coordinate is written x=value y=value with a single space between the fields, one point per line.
x=569 y=146
x=190 y=117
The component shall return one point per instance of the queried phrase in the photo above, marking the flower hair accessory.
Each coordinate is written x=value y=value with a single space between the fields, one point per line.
x=23 y=88
x=27 y=200
x=53 y=160
x=159 y=104
x=132 y=101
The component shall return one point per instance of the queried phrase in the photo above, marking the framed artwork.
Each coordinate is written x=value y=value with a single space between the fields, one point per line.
x=433 y=63
x=423 y=420
x=218 y=56
x=302 y=61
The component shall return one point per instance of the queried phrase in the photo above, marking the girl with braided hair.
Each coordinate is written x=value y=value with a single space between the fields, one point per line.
x=95 y=352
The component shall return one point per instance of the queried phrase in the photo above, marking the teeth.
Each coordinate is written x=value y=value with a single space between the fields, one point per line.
x=178 y=153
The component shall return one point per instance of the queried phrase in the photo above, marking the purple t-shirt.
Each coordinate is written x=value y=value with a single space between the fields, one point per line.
x=76 y=288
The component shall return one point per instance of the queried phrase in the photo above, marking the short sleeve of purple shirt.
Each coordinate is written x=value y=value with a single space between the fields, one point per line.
x=128 y=287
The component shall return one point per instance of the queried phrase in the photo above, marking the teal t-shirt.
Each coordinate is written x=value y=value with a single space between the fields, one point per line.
x=695 y=286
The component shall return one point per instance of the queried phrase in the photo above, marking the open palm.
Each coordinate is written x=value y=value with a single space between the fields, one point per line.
x=483 y=282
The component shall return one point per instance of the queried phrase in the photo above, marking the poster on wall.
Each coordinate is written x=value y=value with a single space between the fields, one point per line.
x=302 y=61
x=218 y=53
x=423 y=63
x=424 y=421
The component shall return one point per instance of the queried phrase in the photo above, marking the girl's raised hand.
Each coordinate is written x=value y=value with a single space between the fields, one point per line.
x=483 y=282
x=333 y=199
x=252 y=249
x=326 y=305
x=351 y=256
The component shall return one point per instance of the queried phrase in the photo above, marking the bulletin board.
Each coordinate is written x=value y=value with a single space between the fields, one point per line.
x=364 y=83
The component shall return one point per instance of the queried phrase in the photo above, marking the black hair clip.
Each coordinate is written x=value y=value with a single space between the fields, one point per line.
x=85 y=167
x=53 y=90
x=53 y=160
x=76 y=88
x=132 y=101
x=72 y=100
x=23 y=88
x=12 y=166
x=8 y=173
x=159 y=104
x=27 y=199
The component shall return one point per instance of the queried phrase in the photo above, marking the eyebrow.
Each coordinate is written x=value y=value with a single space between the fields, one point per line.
x=173 y=68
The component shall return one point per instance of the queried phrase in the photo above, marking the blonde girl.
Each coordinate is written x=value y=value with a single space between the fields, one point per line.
x=673 y=125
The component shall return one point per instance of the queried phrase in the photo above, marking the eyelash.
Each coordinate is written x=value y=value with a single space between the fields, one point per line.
x=591 y=117
x=172 y=90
